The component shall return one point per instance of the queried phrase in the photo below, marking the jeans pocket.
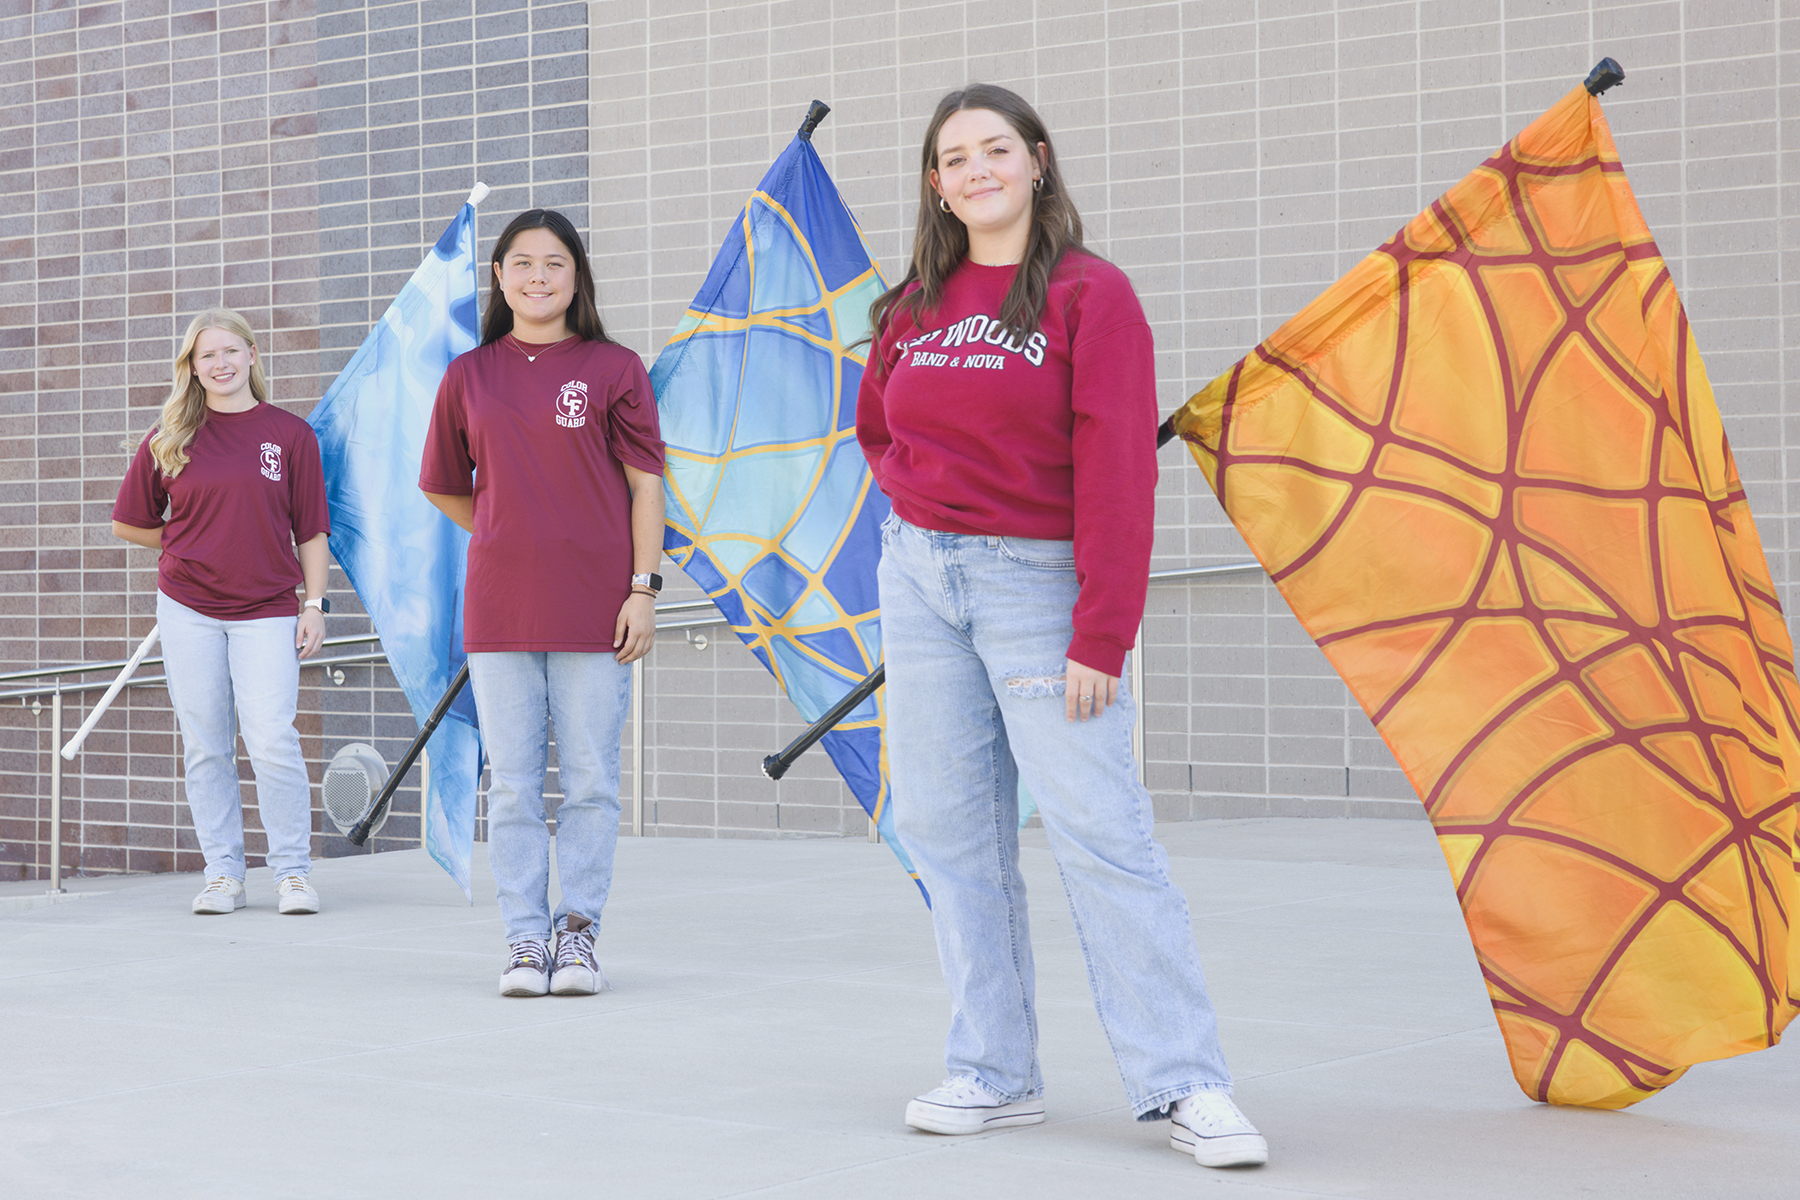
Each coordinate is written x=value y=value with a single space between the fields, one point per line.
x=889 y=524
x=1035 y=552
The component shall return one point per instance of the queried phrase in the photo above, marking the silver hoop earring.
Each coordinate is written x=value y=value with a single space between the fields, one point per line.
x=1037 y=185
x=943 y=204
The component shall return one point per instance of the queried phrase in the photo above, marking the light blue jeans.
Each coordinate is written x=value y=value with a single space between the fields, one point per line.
x=518 y=693
x=214 y=666
x=975 y=632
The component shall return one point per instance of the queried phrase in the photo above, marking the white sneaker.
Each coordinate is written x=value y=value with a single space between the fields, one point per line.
x=221 y=895
x=961 y=1105
x=294 y=894
x=527 y=968
x=1210 y=1127
x=575 y=972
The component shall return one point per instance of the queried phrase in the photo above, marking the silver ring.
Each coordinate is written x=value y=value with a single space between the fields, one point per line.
x=1086 y=697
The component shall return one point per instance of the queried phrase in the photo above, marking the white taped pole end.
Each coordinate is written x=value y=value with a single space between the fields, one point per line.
x=477 y=194
x=131 y=664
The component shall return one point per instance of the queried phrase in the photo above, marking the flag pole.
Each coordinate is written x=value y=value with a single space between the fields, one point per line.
x=360 y=834
x=1606 y=73
x=776 y=765
x=131 y=664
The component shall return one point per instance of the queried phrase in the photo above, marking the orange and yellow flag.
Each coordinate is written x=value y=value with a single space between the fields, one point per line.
x=1487 y=471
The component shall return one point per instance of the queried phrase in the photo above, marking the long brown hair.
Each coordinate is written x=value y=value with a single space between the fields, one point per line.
x=185 y=410
x=941 y=241
x=583 y=317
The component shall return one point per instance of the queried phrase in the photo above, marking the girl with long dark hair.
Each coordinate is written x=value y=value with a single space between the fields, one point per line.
x=228 y=489
x=1009 y=413
x=544 y=445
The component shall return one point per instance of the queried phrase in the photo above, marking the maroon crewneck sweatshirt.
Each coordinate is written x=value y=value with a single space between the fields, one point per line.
x=971 y=430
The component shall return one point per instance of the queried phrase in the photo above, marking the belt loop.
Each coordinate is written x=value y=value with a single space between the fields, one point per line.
x=993 y=542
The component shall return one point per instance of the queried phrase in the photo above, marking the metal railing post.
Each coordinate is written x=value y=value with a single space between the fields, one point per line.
x=637 y=748
x=56 y=762
x=425 y=792
x=1137 y=698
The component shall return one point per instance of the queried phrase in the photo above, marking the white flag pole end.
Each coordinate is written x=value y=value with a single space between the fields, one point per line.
x=131 y=664
x=477 y=194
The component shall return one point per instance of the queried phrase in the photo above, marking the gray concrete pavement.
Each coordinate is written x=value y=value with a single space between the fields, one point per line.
x=774 y=1004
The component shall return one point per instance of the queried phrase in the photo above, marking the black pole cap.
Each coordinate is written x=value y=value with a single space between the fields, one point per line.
x=1606 y=73
x=816 y=113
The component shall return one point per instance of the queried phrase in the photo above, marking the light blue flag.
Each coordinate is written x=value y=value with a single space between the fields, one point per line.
x=771 y=508
x=405 y=559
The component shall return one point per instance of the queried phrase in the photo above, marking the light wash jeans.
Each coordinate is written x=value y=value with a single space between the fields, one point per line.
x=214 y=666
x=518 y=693
x=975 y=632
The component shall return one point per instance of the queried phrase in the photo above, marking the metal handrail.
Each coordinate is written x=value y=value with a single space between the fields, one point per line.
x=678 y=606
x=116 y=663
x=1181 y=574
x=57 y=689
x=22 y=694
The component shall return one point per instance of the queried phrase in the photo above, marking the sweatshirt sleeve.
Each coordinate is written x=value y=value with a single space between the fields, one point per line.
x=1113 y=395
x=872 y=432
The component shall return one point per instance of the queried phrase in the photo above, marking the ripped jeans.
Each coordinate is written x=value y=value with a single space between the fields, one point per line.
x=973 y=628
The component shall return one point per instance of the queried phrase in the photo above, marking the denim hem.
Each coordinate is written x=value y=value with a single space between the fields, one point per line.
x=1002 y=1097
x=1161 y=1105
x=294 y=873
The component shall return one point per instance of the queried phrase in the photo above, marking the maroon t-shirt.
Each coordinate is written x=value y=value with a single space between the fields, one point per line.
x=550 y=562
x=252 y=490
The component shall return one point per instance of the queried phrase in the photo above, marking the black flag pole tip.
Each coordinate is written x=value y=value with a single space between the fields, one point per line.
x=1606 y=73
x=816 y=113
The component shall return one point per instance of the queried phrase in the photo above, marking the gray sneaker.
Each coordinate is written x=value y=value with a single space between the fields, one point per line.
x=1210 y=1127
x=576 y=973
x=527 y=968
x=222 y=894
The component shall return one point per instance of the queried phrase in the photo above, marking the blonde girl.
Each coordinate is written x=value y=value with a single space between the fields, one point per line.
x=229 y=491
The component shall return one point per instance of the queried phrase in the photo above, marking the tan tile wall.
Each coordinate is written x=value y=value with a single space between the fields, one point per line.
x=1235 y=157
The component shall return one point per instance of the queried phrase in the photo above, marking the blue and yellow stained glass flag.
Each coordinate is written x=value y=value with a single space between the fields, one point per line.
x=770 y=505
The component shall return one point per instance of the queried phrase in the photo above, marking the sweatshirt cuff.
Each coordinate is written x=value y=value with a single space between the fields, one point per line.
x=1101 y=653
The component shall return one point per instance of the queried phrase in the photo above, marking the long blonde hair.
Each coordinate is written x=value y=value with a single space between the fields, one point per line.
x=185 y=410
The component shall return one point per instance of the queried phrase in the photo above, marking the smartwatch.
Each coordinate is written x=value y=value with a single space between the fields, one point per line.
x=321 y=603
x=652 y=581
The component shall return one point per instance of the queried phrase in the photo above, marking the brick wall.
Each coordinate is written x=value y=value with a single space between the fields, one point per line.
x=292 y=159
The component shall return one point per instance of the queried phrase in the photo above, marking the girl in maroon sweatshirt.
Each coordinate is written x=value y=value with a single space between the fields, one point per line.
x=1008 y=411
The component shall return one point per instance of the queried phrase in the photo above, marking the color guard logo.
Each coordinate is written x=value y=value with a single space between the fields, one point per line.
x=271 y=461
x=571 y=405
